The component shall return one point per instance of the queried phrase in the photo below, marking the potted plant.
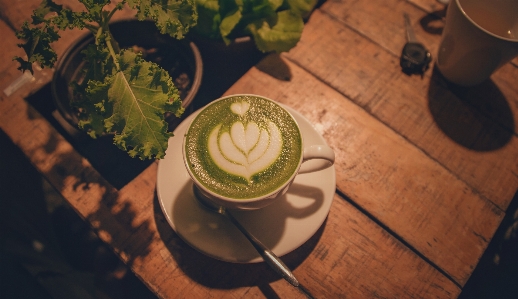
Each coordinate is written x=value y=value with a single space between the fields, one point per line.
x=234 y=35
x=273 y=25
x=119 y=92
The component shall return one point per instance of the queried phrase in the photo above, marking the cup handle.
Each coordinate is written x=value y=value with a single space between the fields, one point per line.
x=317 y=157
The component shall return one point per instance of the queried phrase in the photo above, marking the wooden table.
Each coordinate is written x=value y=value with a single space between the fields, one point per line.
x=425 y=170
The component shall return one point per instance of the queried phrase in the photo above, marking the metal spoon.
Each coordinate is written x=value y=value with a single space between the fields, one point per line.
x=269 y=257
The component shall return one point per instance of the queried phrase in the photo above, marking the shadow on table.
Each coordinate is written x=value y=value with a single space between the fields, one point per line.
x=110 y=169
x=46 y=249
x=116 y=166
x=222 y=67
x=496 y=275
x=218 y=274
x=65 y=268
x=113 y=165
x=433 y=22
x=274 y=66
x=478 y=118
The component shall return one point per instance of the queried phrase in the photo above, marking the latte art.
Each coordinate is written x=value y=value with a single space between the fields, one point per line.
x=245 y=152
x=243 y=147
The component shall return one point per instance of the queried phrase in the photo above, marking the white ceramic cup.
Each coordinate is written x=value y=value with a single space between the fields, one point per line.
x=479 y=37
x=318 y=157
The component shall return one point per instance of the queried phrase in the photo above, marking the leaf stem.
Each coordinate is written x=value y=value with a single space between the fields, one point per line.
x=112 y=52
x=92 y=28
x=108 y=18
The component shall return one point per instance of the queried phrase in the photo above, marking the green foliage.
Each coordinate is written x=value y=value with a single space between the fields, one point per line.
x=120 y=92
x=283 y=36
x=275 y=25
x=173 y=17
x=133 y=100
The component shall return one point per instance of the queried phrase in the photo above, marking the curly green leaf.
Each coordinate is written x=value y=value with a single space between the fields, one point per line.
x=173 y=17
x=37 y=46
x=137 y=97
x=45 y=7
x=283 y=36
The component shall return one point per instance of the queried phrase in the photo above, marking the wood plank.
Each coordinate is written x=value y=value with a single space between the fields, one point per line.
x=332 y=264
x=350 y=259
x=429 y=5
x=8 y=52
x=15 y=12
x=336 y=262
x=342 y=262
x=414 y=196
x=474 y=140
x=133 y=225
x=138 y=234
x=387 y=29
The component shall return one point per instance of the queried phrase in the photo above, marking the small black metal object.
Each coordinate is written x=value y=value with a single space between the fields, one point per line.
x=415 y=58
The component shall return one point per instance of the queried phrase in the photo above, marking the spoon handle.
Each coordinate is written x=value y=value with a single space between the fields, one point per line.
x=269 y=257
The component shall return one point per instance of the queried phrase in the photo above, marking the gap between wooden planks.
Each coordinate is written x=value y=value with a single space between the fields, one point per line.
x=128 y=221
x=353 y=256
x=354 y=46
x=417 y=198
x=38 y=160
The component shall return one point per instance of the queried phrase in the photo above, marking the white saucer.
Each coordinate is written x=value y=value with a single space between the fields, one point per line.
x=282 y=226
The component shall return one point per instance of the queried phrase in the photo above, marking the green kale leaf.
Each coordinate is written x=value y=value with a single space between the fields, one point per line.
x=283 y=36
x=37 y=46
x=120 y=93
x=275 y=25
x=133 y=101
x=208 y=18
x=172 y=17
x=302 y=7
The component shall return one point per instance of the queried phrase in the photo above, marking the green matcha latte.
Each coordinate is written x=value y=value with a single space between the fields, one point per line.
x=243 y=147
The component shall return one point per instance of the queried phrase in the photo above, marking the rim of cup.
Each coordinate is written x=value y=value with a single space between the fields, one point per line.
x=461 y=8
x=243 y=201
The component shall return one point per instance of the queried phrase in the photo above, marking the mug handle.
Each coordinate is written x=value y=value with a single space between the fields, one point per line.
x=318 y=157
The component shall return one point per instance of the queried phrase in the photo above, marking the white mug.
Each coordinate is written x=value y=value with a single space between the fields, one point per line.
x=318 y=157
x=479 y=37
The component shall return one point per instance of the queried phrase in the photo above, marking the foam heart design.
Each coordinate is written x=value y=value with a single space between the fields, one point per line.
x=240 y=108
x=245 y=139
x=245 y=152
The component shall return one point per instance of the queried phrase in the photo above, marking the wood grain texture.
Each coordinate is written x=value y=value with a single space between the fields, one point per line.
x=415 y=220
x=350 y=256
x=15 y=12
x=468 y=130
x=337 y=262
x=7 y=52
x=413 y=195
x=338 y=254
